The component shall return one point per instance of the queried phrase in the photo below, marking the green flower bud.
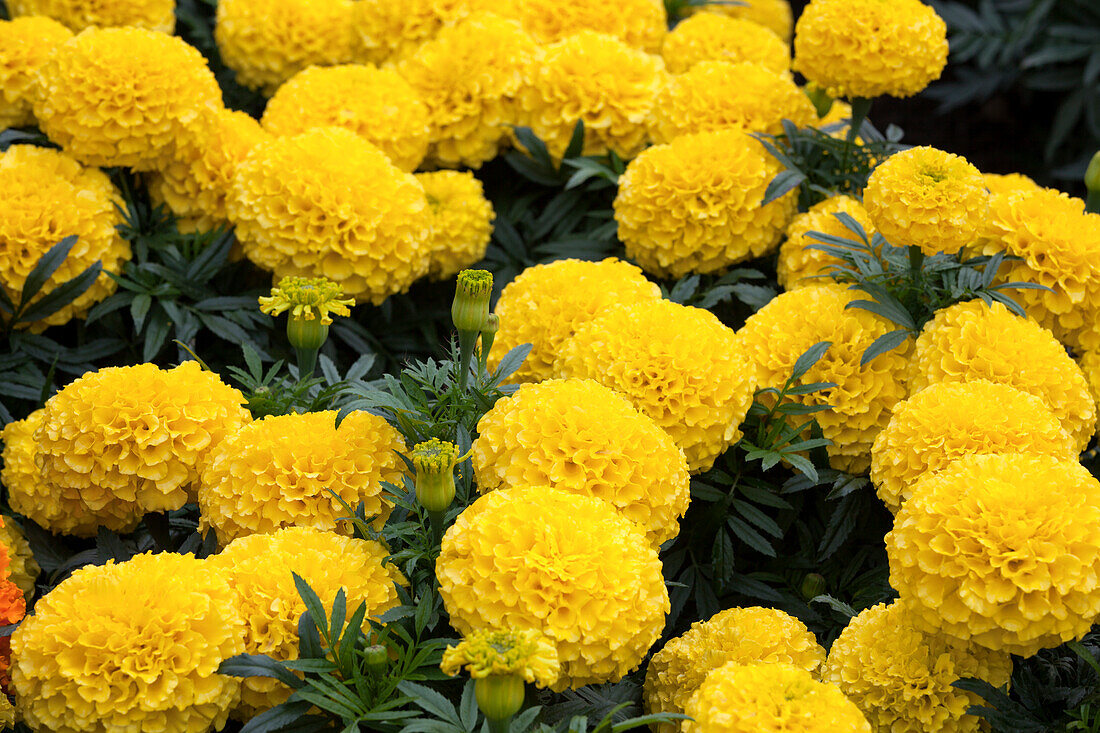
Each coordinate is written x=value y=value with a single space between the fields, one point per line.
x=489 y=333
x=434 y=461
x=377 y=659
x=306 y=334
x=813 y=585
x=499 y=696
x=820 y=98
x=1092 y=182
x=470 y=308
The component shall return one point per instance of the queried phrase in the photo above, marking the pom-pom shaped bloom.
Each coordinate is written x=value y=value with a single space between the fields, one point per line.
x=579 y=436
x=568 y=565
x=1001 y=550
x=268 y=41
x=390 y=30
x=25 y=46
x=281 y=471
x=124 y=441
x=469 y=76
x=154 y=15
x=306 y=299
x=637 y=23
x=901 y=678
x=997 y=183
x=770 y=698
x=546 y=304
x=677 y=364
x=972 y=340
x=693 y=206
x=326 y=203
x=715 y=95
x=927 y=198
x=132 y=646
x=860 y=404
x=524 y=652
x=799 y=263
x=260 y=570
x=717 y=37
x=49 y=196
x=376 y=104
x=462 y=221
x=774 y=15
x=744 y=635
x=122 y=96
x=949 y=420
x=868 y=48
x=23 y=569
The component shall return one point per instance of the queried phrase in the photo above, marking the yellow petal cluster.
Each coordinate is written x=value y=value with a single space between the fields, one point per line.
x=326 y=203
x=524 y=652
x=868 y=48
x=998 y=183
x=154 y=15
x=49 y=196
x=774 y=15
x=546 y=304
x=715 y=37
x=462 y=221
x=784 y=329
x=715 y=95
x=122 y=96
x=693 y=206
x=25 y=46
x=640 y=24
x=1001 y=550
x=751 y=635
x=281 y=471
x=581 y=437
x=123 y=441
x=469 y=76
x=259 y=569
x=927 y=198
x=972 y=340
x=800 y=265
x=23 y=569
x=390 y=30
x=901 y=678
x=568 y=565
x=130 y=646
x=677 y=364
x=306 y=299
x=770 y=698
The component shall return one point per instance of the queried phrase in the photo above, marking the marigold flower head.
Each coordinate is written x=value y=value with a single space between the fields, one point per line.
x=539 y=558
x=744 y=635
x=282 y=471
x=712 y=36
x=326 y=203
x=774 y=15
x=1001 y=550
x=23 y=569
x=49 y=196
x=25 y=46
x=901 y=678
x=579 y=436
x=462 y=221
x=770 y=698
x=997 y=183
x=524 y=652
x=387 y=31
x=434 y=463
x=13 y=607
x=693 y=206
x=154 y=15
x=640 y=24
x=86 y=661
x=260 y=570
x=868 y=48
x=799 y=263
x=546 y=304
x=122 y=96
x=677 y=364
x=307 y=298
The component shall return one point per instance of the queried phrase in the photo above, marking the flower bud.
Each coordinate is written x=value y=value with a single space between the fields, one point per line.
x=377 y=659
x=1092 y=183
x=470 y=308
x=489 y=333
x=499 y=696
x=434 y=461
x=813 y=585
x=306 y=334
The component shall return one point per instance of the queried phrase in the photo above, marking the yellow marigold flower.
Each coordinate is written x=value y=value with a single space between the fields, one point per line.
x=49 y=196
x=774 y=15
x=132 y=646
x=390 y=30
x=259 y=569
x=868 y=48
x=154 y=15
x=770 y=698
x=539 y=558
x=744 y=635
x=596 y=78
x=306 y=299
x=326 y=203
x=123 y=441
x=693 y=206
x=901 y=678
x=780 y=332
x=997 y=183
x=25 y=46
x=524 y=652
x=1001 y=550
x=677 y=364
x=462 y=221
x=799 y=264
x=546 y=304
x=581 y=437
x=281 y=471
x=928 y=198
x=23 y=569
x=1089 y=362
x=376 y=104
x=267 y=42
x=19 y=476
x=715 y=95
x=469 y=76
x=716 y=37
x=122 y=96
x=640 y=24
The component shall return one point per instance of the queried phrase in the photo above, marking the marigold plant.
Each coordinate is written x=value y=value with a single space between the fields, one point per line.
x=800 y=264
x=154 y=15
x=25 y=46
x=524 y=652
x=386 y=31
x=640 y=24
x=774 y=15
x=23 y=569
x=716 y=37
x=462 y=221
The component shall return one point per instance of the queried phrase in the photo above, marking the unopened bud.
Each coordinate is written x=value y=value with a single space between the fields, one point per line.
x=499 y=696
x=813 y=585
x=489 y=333
x=377 y=659
x=470 y=308
x=434 y=461
x=307 y=335
x=1092 y=183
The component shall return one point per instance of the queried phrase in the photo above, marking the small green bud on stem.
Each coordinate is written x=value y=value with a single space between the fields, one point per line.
x=469 y=312
x=499 y=697
x=434 y=461
x=813 y=585
x=1092 y=183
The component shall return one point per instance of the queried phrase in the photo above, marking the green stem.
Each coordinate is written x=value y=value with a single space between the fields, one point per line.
x=499 y=725
x=307 y=360
x=436 y=520
x=861 y=108
x=1092 y=202
x=916 y=262
x=466 y=342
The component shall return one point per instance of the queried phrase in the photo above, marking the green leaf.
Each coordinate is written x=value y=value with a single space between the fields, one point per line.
x=45 y=267
x=61 y=296
x=883 y=344
x=836 y=605
x=258 y=665
x=810 y=357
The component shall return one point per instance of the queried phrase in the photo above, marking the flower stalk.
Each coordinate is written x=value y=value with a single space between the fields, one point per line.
x=469 y=312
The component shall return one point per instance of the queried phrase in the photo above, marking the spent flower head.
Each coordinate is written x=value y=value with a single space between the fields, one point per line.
x=307 y=298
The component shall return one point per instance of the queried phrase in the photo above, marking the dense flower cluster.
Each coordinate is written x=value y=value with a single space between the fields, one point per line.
x=389 y=30
x=715 y=37
x=23 y=569
x=525 y=652
x=772 y=14
x=25 y=46
x=461 y=221
x=154 y=15
x=998 y=183
x=638 y=23
x=799 y=264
